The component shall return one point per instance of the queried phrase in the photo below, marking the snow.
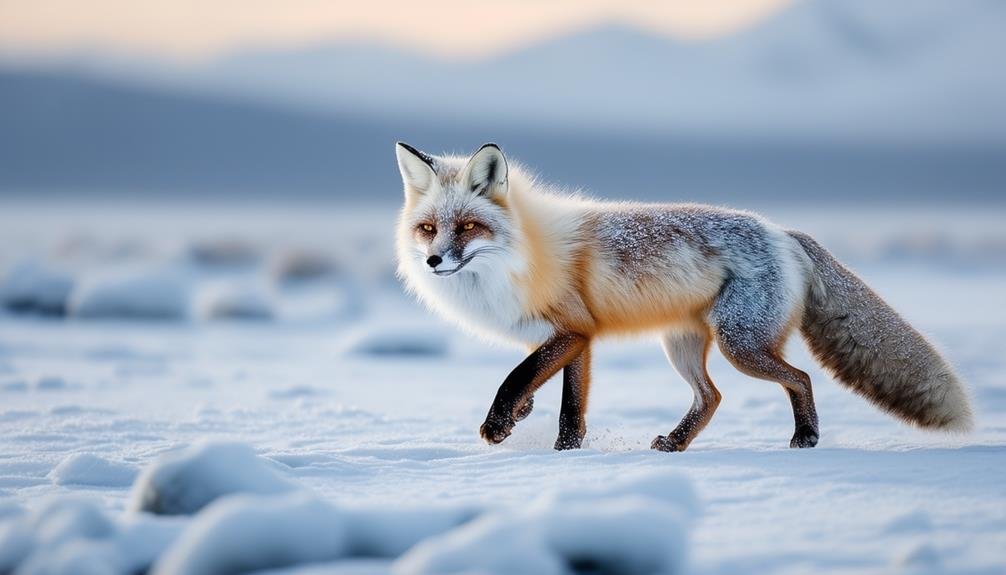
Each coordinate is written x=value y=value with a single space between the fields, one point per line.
x=70 y=536
x=246 y=533
x=35 y=285
x=236 y=300
x=185 y=481
x=277 y=438
x=637 y=528
x=381 y=340
x=148 y=293
x=88 y=469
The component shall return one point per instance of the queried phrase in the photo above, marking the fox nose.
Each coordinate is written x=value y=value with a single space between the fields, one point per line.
x=434 y=261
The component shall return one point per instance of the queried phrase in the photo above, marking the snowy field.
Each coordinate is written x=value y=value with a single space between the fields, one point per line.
x=257 y=382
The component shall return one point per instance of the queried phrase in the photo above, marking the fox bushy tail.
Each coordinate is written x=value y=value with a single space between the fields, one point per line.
x=871 y=349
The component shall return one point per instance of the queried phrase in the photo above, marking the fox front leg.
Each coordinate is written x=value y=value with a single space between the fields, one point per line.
x=575 y=387
x=525 y=379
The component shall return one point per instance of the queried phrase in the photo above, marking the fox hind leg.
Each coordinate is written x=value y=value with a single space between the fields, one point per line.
x=769 y=365
x=751 y=333
x=687 y=352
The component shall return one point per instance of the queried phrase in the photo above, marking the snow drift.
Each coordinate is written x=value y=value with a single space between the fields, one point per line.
x=235 y=512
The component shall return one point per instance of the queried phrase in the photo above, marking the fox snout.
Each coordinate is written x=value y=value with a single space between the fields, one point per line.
x=445 y=265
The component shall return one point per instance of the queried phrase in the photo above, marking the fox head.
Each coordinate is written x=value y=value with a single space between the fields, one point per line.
x=455 y=221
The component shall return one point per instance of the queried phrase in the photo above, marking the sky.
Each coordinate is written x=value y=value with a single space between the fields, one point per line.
x=201 y=29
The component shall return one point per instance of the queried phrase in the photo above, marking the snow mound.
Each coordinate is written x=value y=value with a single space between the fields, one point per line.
x=920 y=559
x=242 y=533
x=54 y=524
x=296 y=266
x=74 y=537
x=917 y=521
x=148 y=293
x=236 y=301
x=88 y=469
x=224 y=254
x=50 y=383
x=246 y=518
x=638 y=527
x=251 y=532
x=31 y=285
x=390 y=532
x=385 y=340
x=183 y=482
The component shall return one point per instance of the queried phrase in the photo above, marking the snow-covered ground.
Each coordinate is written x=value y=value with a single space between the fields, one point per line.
x=258 y=379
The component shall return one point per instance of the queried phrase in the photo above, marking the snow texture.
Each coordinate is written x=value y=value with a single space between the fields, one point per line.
x=637 y=526
x=371 y=463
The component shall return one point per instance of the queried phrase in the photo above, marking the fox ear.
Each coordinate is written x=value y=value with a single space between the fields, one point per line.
x=486 y=172
x=417 y=168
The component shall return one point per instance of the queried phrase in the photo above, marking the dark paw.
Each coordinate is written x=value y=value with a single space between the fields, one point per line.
x=667 y=443
x=571 y=434
x=565 y=442
x=524 y=410
x=495 y=430
x=804 y=437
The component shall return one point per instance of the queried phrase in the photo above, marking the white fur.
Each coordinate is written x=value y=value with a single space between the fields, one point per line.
x=481 y=298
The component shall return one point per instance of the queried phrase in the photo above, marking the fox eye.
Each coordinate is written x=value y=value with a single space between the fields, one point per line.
x=468 y=226
x=427 y=228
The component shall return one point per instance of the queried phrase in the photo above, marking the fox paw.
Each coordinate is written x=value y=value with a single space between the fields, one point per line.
x=495 y=430
x=667 y=443
x=804 y=437
x=525 y=409
x=565 y=442
x=570 y=434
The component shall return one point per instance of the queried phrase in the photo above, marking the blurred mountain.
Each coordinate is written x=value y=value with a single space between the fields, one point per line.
x=854 y=70
x=839 y=100
x=64 y=134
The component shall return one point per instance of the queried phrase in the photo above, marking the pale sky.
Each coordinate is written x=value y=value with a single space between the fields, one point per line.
x=205 y=28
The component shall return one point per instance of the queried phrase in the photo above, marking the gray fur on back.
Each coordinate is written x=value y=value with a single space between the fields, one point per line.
x=873 y=350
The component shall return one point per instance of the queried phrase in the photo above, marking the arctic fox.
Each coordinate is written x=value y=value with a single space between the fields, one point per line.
x=484 y=244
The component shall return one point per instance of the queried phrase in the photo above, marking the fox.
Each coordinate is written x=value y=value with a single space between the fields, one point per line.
x=485 y=244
